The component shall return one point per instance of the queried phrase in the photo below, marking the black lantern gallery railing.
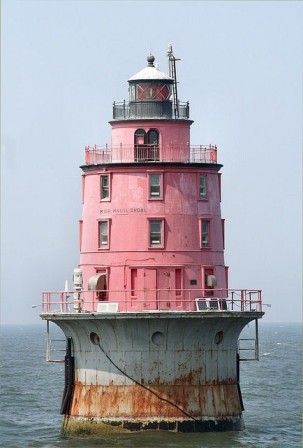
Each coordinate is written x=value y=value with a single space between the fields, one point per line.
x=150 y=109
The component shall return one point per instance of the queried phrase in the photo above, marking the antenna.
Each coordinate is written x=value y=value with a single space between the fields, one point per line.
x=173 y=74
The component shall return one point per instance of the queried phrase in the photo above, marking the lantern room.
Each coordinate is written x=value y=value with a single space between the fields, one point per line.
x=150 y=84
x=150 y=93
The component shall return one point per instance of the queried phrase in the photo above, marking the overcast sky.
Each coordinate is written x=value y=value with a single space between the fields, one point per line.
x=65 y=62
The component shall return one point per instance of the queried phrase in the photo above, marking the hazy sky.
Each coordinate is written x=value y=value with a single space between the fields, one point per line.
x=65 y=62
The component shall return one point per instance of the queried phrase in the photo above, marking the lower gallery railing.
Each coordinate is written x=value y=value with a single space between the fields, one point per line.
x=81 y=301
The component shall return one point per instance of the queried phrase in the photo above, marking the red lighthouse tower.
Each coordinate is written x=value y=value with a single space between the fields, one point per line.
x=152 y=332
x=151 y=215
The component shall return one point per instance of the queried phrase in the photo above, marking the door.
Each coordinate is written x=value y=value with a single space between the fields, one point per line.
x=149 y=290
x=140 y=145
x=169 y=281
x=165 y=294
x=101 y=287
x=153 y=145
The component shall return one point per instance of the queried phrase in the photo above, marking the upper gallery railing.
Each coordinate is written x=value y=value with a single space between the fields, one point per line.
x=150 y=153
x=150 y=109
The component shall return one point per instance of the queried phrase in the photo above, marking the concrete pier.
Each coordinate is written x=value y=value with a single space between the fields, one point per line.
x=173 y=371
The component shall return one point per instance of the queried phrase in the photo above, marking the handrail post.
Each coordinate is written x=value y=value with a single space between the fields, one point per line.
x=48 y=307
x=48 y=342
x=61 y=302
x=257 y=340
x=259 y=301
x=215 y=154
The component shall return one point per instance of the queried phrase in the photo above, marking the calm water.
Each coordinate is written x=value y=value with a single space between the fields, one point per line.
x=31 y=390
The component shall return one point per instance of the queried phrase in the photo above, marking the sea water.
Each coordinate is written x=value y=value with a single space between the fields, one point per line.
x=31 y=393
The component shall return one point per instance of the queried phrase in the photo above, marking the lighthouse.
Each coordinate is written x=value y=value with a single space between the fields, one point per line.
x=152 y=328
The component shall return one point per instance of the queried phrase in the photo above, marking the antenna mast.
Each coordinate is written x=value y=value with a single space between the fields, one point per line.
x=173 y=74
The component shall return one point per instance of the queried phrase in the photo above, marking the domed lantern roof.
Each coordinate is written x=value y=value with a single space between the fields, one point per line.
x=151 y=73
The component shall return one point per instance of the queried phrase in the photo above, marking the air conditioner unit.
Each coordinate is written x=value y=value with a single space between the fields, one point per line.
x=107 y=307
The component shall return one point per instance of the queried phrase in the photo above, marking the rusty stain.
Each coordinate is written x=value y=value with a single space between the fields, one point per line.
x=133 y=401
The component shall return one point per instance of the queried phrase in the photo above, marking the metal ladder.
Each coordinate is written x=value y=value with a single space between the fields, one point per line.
x=248 y=348
x=54 y=346
x=173 y=74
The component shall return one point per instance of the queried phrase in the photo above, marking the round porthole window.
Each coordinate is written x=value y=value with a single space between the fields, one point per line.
x=94 y=338
x=219 y=337
x=158 y=338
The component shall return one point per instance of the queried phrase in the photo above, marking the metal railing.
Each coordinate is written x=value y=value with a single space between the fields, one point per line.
x=98 y=155
x=161 y=300
x=150 y=109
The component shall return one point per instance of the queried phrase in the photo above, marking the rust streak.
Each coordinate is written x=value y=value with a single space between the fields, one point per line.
x=133 y=401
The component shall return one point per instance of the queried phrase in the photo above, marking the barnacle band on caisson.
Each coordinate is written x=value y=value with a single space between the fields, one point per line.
x=152 y=328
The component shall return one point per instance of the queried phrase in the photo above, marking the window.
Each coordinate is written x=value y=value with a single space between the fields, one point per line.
x=153 y=91
x=156 y=232
x=104 y=234
x=205 y=225
x=202 y=187
x=104 y=187
x=155 y=186
x=132 y=93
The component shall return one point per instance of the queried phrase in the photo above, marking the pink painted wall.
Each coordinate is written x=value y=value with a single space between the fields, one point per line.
x=129 y=210
x=174 y=134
